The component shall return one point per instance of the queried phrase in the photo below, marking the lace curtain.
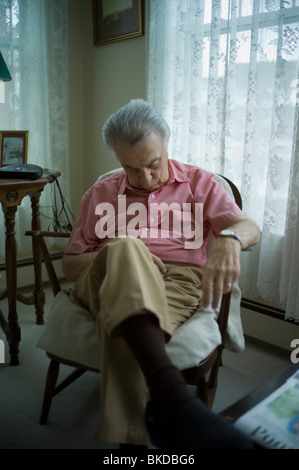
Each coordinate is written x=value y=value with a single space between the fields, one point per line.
x=34 y=44
x=224 y=73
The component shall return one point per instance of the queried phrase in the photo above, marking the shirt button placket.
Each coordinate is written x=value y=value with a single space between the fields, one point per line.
x=152 y=198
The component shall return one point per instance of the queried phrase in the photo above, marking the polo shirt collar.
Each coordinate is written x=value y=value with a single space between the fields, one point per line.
x=175 y=174
x=124 y=183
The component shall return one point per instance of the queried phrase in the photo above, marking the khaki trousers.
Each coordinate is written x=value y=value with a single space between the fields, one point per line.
x=123 y=281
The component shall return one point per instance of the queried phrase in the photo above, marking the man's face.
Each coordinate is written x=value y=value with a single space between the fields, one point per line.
x=146 y=163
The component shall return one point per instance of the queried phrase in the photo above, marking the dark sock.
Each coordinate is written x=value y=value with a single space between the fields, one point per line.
x=166 y=384
x=192 y=425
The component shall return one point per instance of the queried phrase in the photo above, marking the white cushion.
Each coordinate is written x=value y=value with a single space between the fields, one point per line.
x=199 y=335
x=71 y=333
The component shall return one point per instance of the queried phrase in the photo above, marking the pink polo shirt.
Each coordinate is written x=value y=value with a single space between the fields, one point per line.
x=173 y=222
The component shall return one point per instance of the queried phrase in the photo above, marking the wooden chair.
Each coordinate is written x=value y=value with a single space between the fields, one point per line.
x=203 y=375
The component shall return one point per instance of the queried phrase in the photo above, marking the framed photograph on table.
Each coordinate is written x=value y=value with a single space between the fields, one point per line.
x=115 y=20
x=13 y=147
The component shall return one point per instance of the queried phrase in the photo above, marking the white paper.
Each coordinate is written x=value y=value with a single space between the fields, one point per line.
x=274 y=422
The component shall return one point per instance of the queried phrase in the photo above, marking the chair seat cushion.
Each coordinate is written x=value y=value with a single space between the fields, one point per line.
x=70 y=333
x=199 y=335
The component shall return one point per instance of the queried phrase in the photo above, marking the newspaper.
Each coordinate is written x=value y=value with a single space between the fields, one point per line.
x=274 y=422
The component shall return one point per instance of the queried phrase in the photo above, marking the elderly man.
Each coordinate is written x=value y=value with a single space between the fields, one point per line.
x=141 y=277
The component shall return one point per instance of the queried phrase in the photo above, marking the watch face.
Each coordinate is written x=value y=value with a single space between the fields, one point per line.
x=230 y=233
x=227 y=233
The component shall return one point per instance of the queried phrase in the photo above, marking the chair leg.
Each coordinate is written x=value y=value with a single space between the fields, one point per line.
x=52 y=377
x=69 y=380
x=202 y=390
x=205 y=392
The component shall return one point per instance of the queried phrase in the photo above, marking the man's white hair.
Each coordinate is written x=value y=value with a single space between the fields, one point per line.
x=134 y=123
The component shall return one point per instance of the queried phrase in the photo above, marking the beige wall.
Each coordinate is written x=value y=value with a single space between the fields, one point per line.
x=270 y=330
x=101 y=80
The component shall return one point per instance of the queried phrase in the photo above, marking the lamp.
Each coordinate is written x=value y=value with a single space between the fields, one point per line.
x=4 y=73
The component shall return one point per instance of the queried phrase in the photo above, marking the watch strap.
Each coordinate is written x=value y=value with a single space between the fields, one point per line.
x=230 y=234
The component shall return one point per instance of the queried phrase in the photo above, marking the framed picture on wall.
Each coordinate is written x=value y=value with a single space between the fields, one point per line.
x=13 y=147
x=115 y=20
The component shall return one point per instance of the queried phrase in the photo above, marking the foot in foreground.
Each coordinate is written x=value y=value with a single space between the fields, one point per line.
x=194 y=426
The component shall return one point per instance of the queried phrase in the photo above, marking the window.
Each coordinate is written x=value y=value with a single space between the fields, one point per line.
x=34 y=43
x=224 y=73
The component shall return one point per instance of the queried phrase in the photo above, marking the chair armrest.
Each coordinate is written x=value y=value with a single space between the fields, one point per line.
x=224 y=314
x=40 y=233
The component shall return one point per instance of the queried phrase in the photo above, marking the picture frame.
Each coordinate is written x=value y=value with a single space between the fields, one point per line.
x=116 y=20
x=13 y=147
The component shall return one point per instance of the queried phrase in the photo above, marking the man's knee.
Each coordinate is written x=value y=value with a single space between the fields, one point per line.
x=120 y=248
x=126 y=241
x=127 y=244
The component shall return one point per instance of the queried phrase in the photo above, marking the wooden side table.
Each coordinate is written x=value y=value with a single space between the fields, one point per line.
x=233 y=412
x=12 y=193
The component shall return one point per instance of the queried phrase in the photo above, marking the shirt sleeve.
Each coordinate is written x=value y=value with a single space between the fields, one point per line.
x=219 y=207
x=83 y=237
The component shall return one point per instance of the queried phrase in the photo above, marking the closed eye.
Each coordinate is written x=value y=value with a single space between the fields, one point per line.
x=151 y=166
x=132 y=170
x=154 y=164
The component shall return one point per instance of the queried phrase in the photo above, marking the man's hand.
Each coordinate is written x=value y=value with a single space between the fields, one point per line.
x=159 y=263
x=221 y=271
x=223 y=261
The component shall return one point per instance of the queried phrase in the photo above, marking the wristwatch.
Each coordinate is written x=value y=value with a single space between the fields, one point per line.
x=231 y=234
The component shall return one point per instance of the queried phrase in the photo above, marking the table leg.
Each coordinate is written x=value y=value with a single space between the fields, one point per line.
x=38 y=292
x=13 y=332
